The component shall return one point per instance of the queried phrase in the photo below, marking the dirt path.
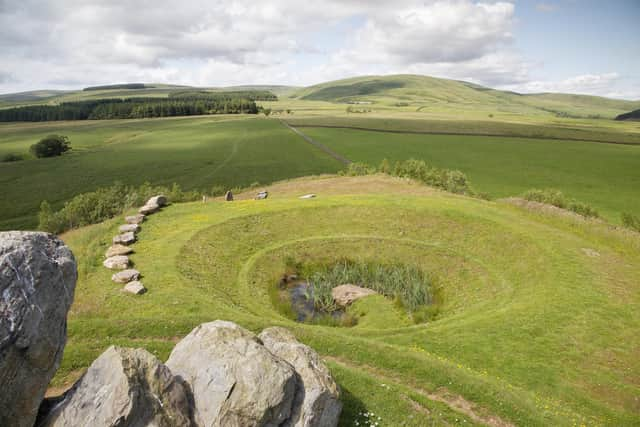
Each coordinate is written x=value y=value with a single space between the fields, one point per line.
x=442 y=395
x=316 y=144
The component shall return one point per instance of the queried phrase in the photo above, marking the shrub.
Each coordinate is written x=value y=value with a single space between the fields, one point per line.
x=50 y=146
x=218 y=190
x=359 y=169
x=453 y=181
x=104 y=203
x=631 y=221
x=558 y=199
x=11 y=157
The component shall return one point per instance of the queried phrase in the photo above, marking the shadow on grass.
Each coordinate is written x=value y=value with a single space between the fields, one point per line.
x=352 y=408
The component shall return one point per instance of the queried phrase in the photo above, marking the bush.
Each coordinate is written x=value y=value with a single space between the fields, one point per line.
x=558 y=199
x=631 y=221
x=359 y=169
x=50 y=146
x=10 y=157
x=104 y=203
x=218 y=190
x=453 y=181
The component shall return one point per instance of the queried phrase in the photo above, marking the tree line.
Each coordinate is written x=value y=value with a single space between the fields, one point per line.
x=135 y=108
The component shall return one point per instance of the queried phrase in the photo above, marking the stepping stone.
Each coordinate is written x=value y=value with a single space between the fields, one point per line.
x=124 y=238
x=307 y=196
x=159 y=200
x=126 y=276
x=118 y=262
x=262 y=195
x=149 y=209
x=134 y=228
x=135 y=287
x=118 y=250
x=134 y=219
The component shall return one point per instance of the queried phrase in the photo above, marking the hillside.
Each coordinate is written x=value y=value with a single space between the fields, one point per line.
x=433 y=93
x=532 y=323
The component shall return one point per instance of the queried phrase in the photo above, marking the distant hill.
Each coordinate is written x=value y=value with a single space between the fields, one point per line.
x=118 y=86
x=429 y=92
x=633 y=115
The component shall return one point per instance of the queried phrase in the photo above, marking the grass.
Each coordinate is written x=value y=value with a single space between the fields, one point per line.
x=533 y=328
x=197 y=153
x=605 y=176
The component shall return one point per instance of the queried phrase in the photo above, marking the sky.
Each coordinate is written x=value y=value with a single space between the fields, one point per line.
x=573 y=46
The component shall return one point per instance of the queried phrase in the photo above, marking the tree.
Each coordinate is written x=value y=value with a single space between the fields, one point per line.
x=266 y=111
x=50 y=146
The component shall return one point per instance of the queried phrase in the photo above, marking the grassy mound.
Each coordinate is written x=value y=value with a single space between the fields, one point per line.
x=537 y=312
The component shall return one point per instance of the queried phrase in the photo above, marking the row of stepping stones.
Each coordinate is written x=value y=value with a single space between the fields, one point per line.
x=117 y=255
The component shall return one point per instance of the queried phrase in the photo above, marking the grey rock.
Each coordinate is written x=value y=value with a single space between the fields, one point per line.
x=134 y=219
x=134 y=228
x=159 y=200
x=118 y=262
x=118 y=249
x=317 y=401
x=229 y=196
x=149 y=209
x=126 y=276
x=234 y=379
x=37 y=281
x=135 y=287
x=123 y=387
x=124 y=238
x=344 y=295
x=307 y=196
x=262 y=195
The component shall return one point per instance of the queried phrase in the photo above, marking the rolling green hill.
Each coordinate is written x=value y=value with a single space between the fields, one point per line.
x=429 y=92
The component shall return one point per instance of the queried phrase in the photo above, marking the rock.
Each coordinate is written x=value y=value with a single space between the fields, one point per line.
x=159 y=200
x=134 y=219
x=344 y=295
x=118 y=250
x=37 y=281
x=135 y=287
x=262 y=195
x=126 y=276
x=118 y=262
x=124 y=238
x=149 y=209
x=591 y=252
x=229 y=196
x=307 y=196
x=317 y=398
x=234 y=379
x=123 y=387
x=125 y=228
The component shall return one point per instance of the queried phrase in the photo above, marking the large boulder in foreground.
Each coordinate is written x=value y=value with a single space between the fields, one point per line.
x=123 y=387
x=317 y=401
x=234 y=379
x=37 y=281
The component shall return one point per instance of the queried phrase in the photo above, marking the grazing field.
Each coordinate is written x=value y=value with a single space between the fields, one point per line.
x=537 y=312
x=604 y=175
x=197 y=153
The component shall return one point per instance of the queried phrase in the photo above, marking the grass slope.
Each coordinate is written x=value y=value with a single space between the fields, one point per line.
x=197 y=153
x=538 y=313
x=604 y=175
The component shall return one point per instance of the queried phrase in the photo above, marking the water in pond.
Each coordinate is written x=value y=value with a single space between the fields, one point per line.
x=302 y=303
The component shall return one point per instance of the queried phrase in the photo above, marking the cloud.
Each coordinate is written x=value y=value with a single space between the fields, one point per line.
x=586 y=83
x=546 y=7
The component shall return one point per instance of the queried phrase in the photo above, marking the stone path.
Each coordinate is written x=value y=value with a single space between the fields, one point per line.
x=117 y=255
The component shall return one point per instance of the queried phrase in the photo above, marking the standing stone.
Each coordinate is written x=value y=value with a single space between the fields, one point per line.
x=37 y=281
x=124 y=238
x=126 y=276
x=134 y=228
x=135 y=287
x=118 y=250
x=229 y=196
x=134 y=219
x=123 y=387
x=235 y=380
x=118 y=262
x=317 y=401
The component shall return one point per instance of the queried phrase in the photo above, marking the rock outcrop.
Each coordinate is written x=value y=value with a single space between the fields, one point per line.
x=344 y=295
x=317 y=401
x=234 y=379
x=123 y=387
x=37 y=282
x=126 y=276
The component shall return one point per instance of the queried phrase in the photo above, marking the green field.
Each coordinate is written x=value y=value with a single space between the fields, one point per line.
x=604 y=175
x=537 y=312
x=197 y=153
